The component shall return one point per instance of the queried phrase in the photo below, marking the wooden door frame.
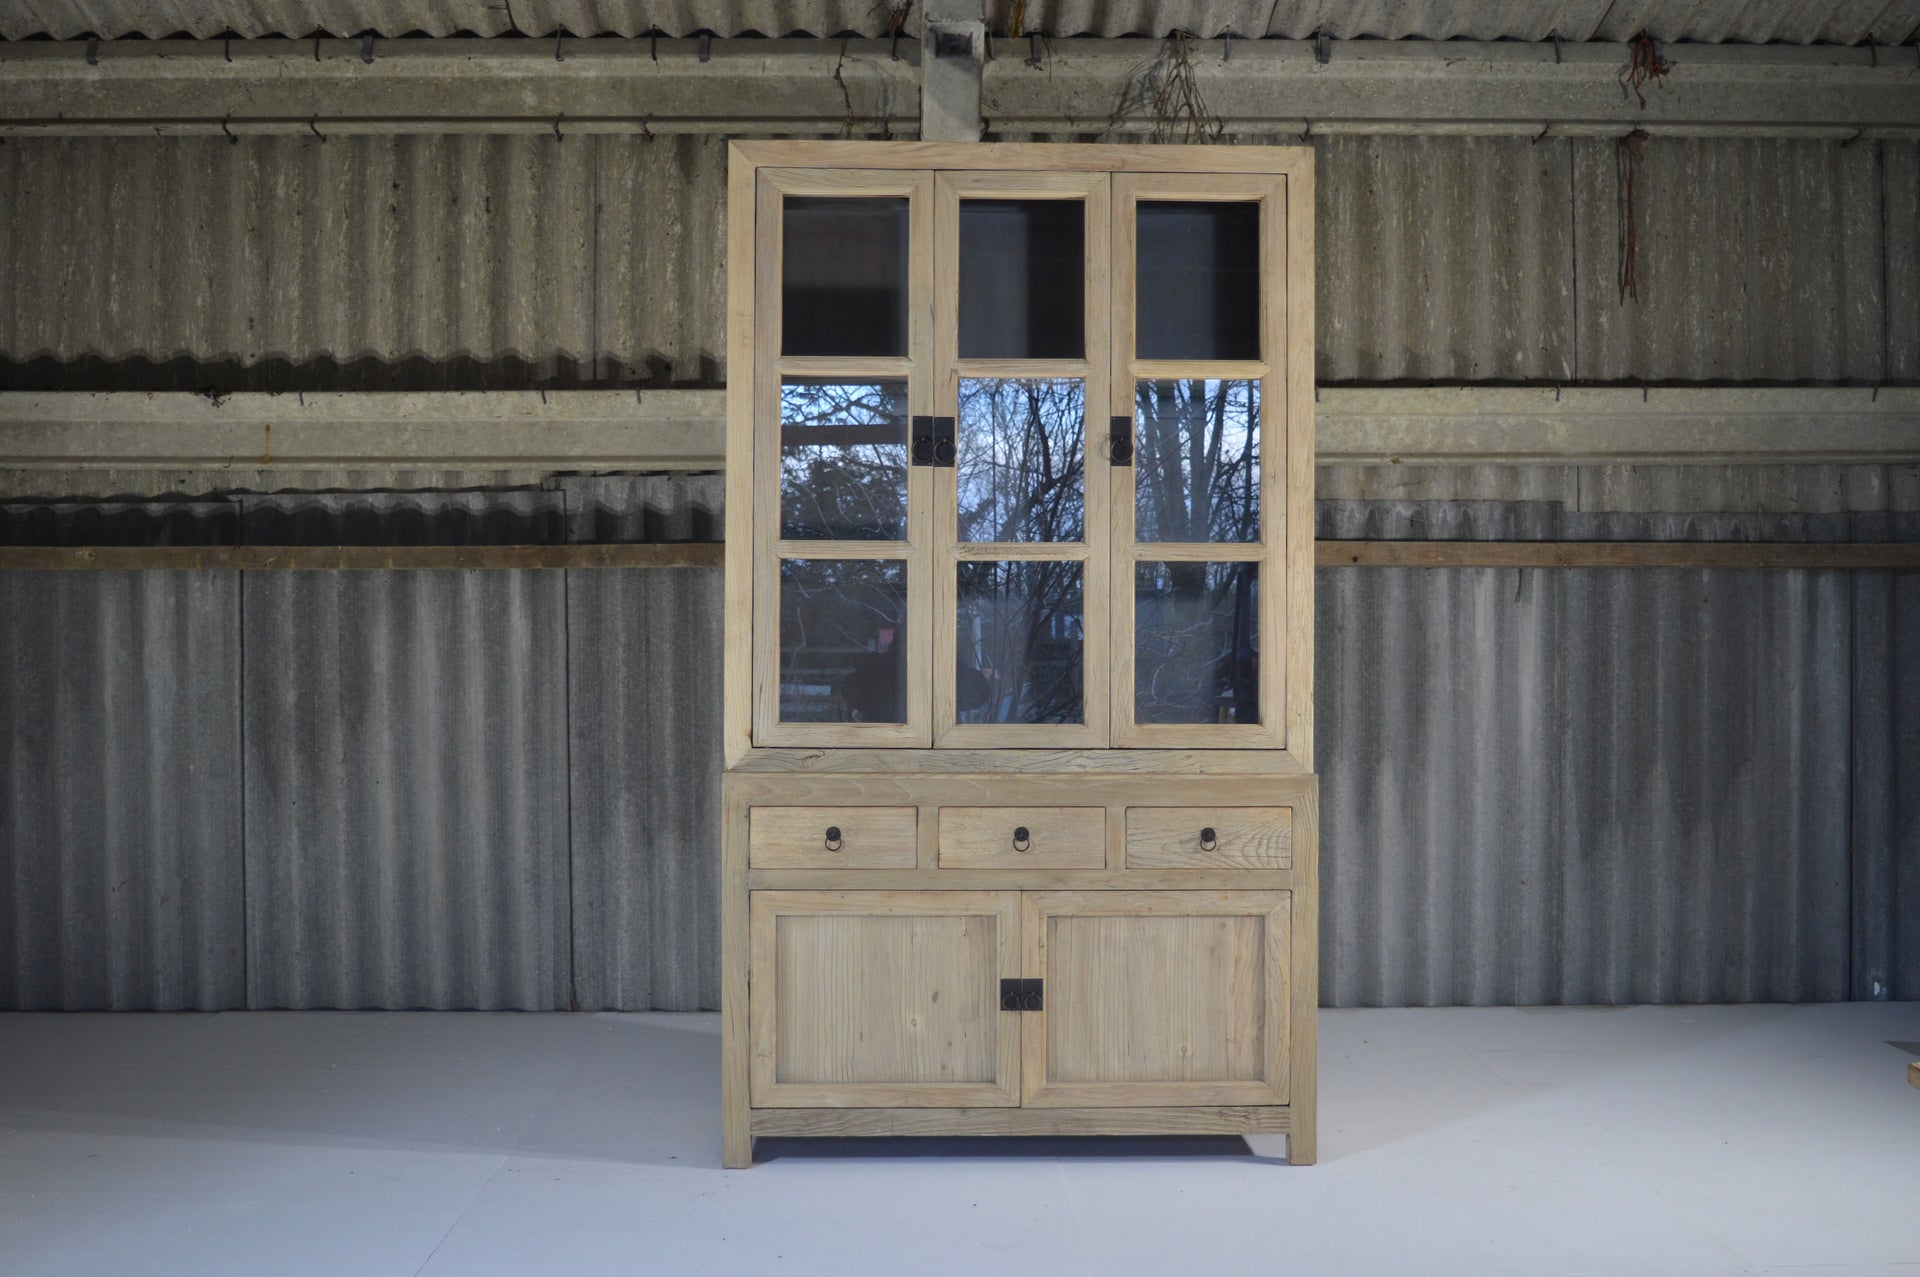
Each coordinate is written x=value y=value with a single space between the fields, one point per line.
x=1093 y=191
x=763 y=491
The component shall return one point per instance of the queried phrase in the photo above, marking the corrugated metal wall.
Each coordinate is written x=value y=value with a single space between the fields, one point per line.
x=500 y=789
x=120 y=816
x=490 y=262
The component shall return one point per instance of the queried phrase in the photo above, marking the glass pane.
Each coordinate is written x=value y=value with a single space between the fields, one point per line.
x=843 y=653
x=1196 y=643
x=1022 y=279
x=1021 y=463
x=844 y=276
x=843 y=459
x=1196 y=461
x=1198 y=280
x=1022 y=638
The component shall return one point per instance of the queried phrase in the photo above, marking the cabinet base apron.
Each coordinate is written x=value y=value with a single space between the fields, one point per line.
x=1244 y=1120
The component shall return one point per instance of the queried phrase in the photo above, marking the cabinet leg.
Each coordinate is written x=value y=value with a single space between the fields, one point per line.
x=736 y=1146
x=1300 y=1141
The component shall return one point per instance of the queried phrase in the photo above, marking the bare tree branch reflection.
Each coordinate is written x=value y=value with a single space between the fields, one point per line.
x=843 y=640
x=843 y=459
x=1197 y=461
x=1021 y=467
x=1021 y=643
x=1197 y=643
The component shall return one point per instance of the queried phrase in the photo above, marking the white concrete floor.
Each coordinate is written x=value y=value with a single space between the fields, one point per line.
x=1642 y=1140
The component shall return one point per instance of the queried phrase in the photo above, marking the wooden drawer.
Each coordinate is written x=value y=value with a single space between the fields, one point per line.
x=1243 y=838
x=797 y=837
x=1056 y=838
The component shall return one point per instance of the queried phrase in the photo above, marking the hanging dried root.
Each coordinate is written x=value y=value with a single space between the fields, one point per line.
x=1165 y=90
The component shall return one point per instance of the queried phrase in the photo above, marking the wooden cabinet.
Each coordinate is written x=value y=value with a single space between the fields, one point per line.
x=1020 y=827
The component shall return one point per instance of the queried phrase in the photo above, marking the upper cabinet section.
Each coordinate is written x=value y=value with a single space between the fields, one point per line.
x=1197 y=279
x=1022 y=279
x=843 y=275
x=1021 y=448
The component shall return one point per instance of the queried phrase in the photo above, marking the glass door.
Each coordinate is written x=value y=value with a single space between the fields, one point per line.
x=1020 y=517
x=1199 y=520
x=842 y=482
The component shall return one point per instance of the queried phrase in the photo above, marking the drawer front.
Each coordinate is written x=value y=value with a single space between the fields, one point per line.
x=1242 y=838
x=1056 y=838
x=804 y=837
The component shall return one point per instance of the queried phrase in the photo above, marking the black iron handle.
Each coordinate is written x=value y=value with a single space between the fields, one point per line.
x=922 y=453
x=944 y=447
x=1022 y=841
x=1120 y=441
x=833 y=838
x=1208 y=841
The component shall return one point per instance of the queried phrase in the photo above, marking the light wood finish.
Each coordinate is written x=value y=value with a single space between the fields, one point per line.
x=1022 y=789
x=796 y=838
x=1091 y=190
x=1178 y=983
x=1059 y=156
x=1099 y=879
x=743 y=287
x=1057 y=838
x=1244 y=838
x=736 y=1143
x=769 y=367
x=1157 y=998
x=1280 y=591
x=1196 y=1120
x=865 y=998
x=1913 y=1074
x=1278 y=763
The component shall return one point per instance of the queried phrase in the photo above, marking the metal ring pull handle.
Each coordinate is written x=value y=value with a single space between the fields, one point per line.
x=833 y=838
x=1022 y=841
x=1208 y=841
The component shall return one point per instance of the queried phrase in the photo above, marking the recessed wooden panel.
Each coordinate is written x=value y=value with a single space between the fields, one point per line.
x=1056 y=838
x=1157 y=998
x=1243 y=838
x=882 y=998
x=798 y=837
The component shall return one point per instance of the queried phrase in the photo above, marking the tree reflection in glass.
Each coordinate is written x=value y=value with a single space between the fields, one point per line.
x=1196 y=643
x=1197 y=460
x=1021 y=464
x=843 y=459
x=1021 y=643
x=843 y=641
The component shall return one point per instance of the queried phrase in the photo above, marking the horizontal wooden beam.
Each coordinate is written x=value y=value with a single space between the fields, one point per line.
x=259 y=558
x=1612 y=554
x=685 y=429
x=1328 y=554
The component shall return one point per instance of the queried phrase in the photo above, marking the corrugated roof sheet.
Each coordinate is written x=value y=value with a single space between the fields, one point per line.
x=1752 y=21
x=498 y=262
x=426 y=262
x=120 y=825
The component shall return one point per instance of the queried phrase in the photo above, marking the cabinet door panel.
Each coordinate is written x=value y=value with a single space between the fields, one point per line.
x=1157 y=998
x=876 y=999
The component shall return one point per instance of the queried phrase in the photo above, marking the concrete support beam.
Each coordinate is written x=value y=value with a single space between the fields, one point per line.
x=1459 y=87
x=821 y=87
x=836 y=87
x=956 y=45
x=684 y=429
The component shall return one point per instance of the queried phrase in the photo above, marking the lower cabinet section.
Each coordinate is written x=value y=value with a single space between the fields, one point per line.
x=864 y=999
x=1047 y=999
